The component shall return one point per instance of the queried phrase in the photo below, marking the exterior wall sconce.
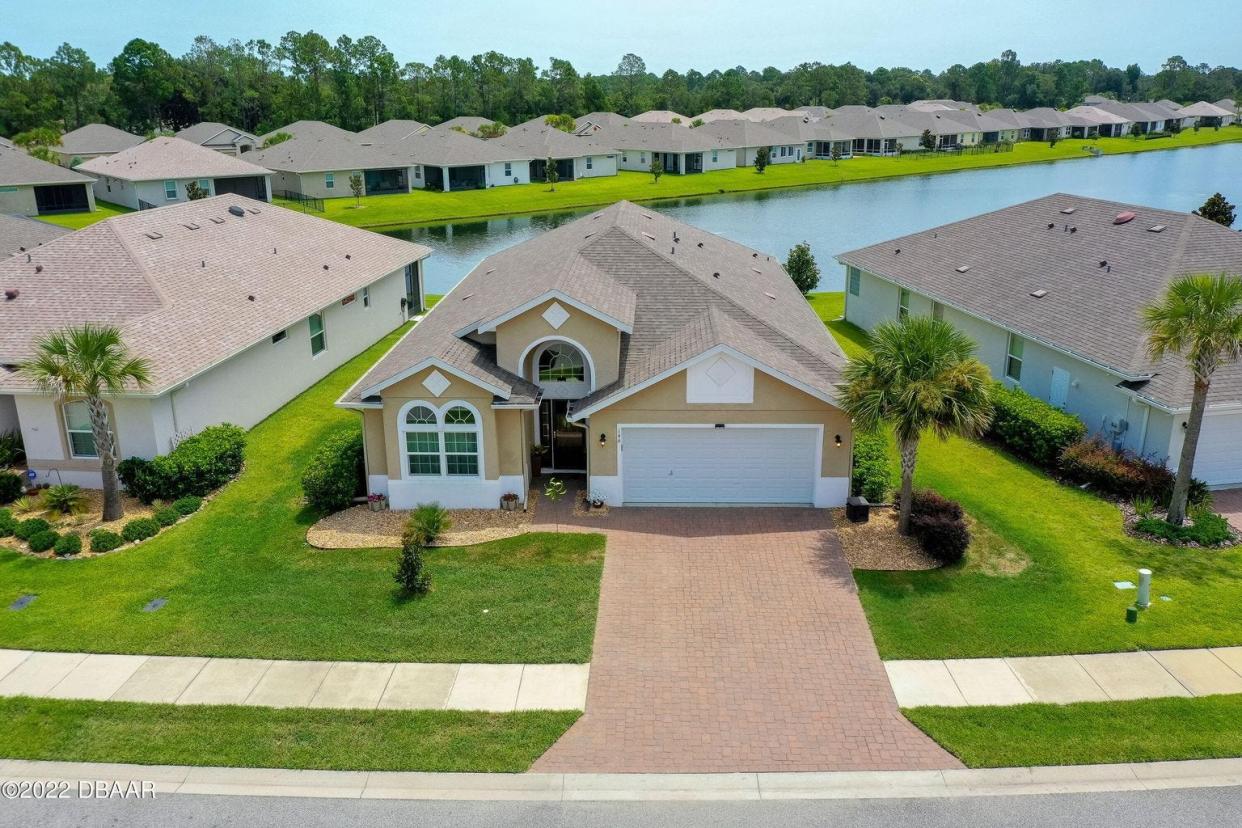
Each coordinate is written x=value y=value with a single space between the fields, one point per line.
x=837 y=440
x=603 y=439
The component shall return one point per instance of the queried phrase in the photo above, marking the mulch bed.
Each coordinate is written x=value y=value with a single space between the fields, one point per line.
x=876 y=544
x=359 y=528
x=81 y=523
x=1129 y=524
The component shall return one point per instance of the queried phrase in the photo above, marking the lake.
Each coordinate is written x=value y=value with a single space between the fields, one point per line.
x=836 y=218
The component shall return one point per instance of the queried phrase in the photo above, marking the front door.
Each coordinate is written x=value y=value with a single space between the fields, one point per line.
x=1058 y=390
x=566 y=442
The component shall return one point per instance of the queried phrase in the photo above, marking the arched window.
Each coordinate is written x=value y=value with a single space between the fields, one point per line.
x=561 y=362
x=461 y=442
x=422 y=441
x=441 y=445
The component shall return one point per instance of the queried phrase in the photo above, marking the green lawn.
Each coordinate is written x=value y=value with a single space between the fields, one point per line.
x=831 y=308
x=76 y=221
x=165 y=734
x=241 y=581
x=1039 y=579
x=1149 y=730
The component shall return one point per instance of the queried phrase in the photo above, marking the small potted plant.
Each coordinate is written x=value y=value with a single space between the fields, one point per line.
x=537 y=453
x=597 y=500
x=377 y=502
x=509 y=501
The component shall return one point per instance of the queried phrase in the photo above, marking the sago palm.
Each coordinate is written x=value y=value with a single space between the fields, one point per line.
x=90 y=362
x=1199 y=318
x=921 y=375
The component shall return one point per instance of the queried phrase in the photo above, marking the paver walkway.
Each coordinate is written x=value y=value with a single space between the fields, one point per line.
x=263 y=683
x=731 y=640
x=1065 y=679
x=1229 y=503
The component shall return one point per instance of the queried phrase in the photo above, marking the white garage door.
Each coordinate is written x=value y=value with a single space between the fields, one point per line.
x=1218 y=460
x=718 y=465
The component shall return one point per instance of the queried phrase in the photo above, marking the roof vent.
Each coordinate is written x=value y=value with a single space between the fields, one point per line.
x=754 y=255
x=1069 y=210
x=897 y=251
x=771 y=296
x=1125 y=217
x=489 y=270
x=348 y=256
x=252 y=211
x=962 y=268
x=1157 y=228
x=38 y=268
x=716 y=274
x=588 y=235
x=1051 y=224
x=237 y=211
x=467 y=296
x=189 y=225
x=11 y=294
x=648 y=235
x=1103 y=262
x=1039 y=294
x=215 y=220
x=249 y=298
x=1073 y=229
x=700 y=244
x=757 y=270
x=153 y=235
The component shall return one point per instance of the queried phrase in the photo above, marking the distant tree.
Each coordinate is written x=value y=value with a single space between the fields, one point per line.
x=676 y=120
x=697 y=122
x=194 y=192
x=656 y=168
x=802 y=268
x=762 y=156
x=356 y=187
x=144 y=77
x=550 y=174
x=1217 y=209
x=630 y=74
x=1052 y=140
x=38 y=143
x=276 y=138
x=927 y=141
x=565 y=123
x=492 y=130
x=835 y=155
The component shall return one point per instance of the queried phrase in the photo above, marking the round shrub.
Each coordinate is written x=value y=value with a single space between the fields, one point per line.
x=140 y=529
x=103 y=540
x=939 y=525
x=197 y=466
x=10 y=486
x=872 y=476
x=167 y=516
x=43 y=541
x=68 y=545
x=335 y=473
x=7 y=523
x=188 y=505
x=30 y=527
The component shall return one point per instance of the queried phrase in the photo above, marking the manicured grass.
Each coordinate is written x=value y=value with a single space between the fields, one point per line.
x=1149 y=730
x=165 y=734
x=831 y=308
x=424 y=206
x=241 y=581
x=76 y=221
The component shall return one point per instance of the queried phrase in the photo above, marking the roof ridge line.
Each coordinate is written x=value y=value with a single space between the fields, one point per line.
x=165 y=302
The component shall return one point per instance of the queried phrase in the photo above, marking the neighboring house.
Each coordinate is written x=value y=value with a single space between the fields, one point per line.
x=815 y=112
x=1144 y=117
x=1208 y=114
x=5 y=143
x=668 y=364
x=765 y=113
x=575 y=156
x=30 y=187
x=451 y=160
x=679 y=150
x=19 y=234
x=238 y=305
x=93 y=141
x=872 y=132
x=1052 y=291
x=158 y=172
x=311 y=129
x=717 y=115
x=391 y=131
x=321 y=166
x=1043 y=124
x=819 y=135
x=469 y=123
x=1227 y=104
x=943 y=105
x=219 y=137
x=950 y=127
x=745 y=137
x=661 y=116
x=1091 y=121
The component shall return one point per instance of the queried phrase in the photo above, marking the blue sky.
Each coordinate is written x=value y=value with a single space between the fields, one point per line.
x=683 y=34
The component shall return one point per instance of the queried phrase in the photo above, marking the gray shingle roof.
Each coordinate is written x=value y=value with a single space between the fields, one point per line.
x=470 y=123
x=165 y=158
x=661 y=116
x=634 y=135
x=97 y=138
x=543 y=141
x=766 y=113
x=807 y=128
x=321 y=153
x=717 y=115
x=17 y=169
x=864 y=122
x=19 y=234
x=1203 y=109
x=391 y=131
x=742 y=132
x=620 y=260
x=450 y=148
x=1090 y=310
x=312 y=129
x=177 y=281
x=214 y=133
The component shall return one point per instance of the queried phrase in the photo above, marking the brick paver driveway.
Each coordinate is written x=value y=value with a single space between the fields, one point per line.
x=732 y=640
x=1229 y=503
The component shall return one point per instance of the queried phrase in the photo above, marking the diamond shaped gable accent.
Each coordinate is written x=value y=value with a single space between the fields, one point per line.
x=721 y=371
x=435 y=383
x=555 y=315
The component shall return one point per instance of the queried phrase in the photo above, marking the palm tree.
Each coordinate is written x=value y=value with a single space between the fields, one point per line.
x=90 y=362
x=920 y=374
x=1200 y=318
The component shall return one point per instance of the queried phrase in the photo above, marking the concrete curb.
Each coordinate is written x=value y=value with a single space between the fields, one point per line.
x=554 y=787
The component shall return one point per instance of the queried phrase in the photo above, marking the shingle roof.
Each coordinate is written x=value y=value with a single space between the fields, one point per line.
x=97 y=138
x=717 y=115
x=6 y=143
x=1203 y=109
x=19 y=234
x=621 y=261
x=391 y=131
x=634 y=135
x=214 y=133
x=592 y=122
x=661 y=116
x=178 y=281
x=17 y=169
x=450 y=148
x=543 y=141
x=744 y=133
x=864 y=122
x=470 y=123
x=321 y=153
x=816 y=111
x=1090 y=309
x=312 y=129
x=164 y=158
x=766 y=113
x=804 y=127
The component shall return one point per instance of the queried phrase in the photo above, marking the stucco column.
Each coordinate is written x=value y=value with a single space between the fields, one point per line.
x=447 y=186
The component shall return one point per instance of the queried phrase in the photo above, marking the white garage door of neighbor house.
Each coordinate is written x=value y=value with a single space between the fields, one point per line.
x=718 y=465
x=1218 y=460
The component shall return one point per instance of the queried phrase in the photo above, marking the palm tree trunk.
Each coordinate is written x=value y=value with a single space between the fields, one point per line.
x=1185 y=465
x=909 y=456
x=112 y=507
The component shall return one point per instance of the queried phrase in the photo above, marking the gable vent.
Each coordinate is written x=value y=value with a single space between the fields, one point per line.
x=962 y=268
x=1157 y=228
x=1039 y=294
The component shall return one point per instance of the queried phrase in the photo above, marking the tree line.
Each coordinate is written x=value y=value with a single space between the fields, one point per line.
x=258 y=85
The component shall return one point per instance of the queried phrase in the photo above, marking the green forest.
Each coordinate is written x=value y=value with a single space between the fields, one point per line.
x=259 y=85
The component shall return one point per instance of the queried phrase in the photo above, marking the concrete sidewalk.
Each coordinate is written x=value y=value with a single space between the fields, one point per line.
x=265 y=683
x=564 y=787
x=1065 y=679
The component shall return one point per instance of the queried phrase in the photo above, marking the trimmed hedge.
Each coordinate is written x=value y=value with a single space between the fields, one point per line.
x=104 y=540
x=10 y=486
x=30 y=527
x=7 y=523
x=167 y=516
x=939 y=525
x=1031 y=428
x=1206 y=529
x=872 y=476
x=1123 y=474
x=188 y=505
x=68 y=545
x=140 y=529
x=43 y=541
x=335 y=474
x=197 y=466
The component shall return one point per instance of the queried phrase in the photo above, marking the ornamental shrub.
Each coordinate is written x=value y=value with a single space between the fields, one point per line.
x=428 y=522
x=10 y=486
x=43 y=541
x=197 y=466
x=872 y=476
x=7 y=523
x=70 y=544
x=939 y=525
x=104 y=540
x=187 y=505
x=1206 y=529
x=335 y=474
x=140 y=529
x=30 y=527
x=411 y=575
x=1032 y=428
x=1122 y=474
x=65 y=498
x=167 y=516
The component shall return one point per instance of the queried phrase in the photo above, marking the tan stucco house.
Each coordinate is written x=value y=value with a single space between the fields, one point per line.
x=667 y=364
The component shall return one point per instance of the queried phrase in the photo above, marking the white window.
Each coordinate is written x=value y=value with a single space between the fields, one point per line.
x=170 y=190
x=903 y=304
x=715 y=156
x=78 y=429
x=508 y=169
x=318 y=336
x=590 y=162
x=422 y=441
x=461 y=442
x=642 y=158
x=418 y=171
x=444 y=445
x=561 y=363
x=366 y=297
x=329 y=181
x=205 y=185
x=855 y=277
x=1013 y=358
x=624 y=159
